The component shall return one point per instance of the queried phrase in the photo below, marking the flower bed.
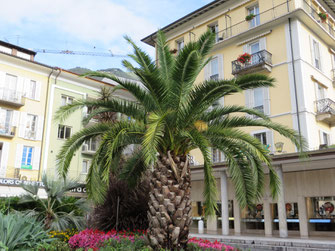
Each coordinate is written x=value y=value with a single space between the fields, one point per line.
x=200 y=244
x=90 y=239
x=95 y=239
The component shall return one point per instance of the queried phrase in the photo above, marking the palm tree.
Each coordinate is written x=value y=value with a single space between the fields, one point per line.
x=170 y=117
x=58 y=211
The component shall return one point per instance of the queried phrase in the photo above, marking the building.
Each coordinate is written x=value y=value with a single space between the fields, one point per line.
x=294 y=42
x=30 y=137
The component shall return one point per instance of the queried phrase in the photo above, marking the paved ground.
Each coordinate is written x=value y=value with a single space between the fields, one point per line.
x=262 y=243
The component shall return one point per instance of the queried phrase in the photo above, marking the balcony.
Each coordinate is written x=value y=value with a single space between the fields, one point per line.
x=29 y=134
x=270 y=15
x=259 y=61
x=11 y=97
x=7 y=131
x=325 y=111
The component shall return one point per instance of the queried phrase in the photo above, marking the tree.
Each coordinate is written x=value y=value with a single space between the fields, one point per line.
x=170 y=117
x=57 y=211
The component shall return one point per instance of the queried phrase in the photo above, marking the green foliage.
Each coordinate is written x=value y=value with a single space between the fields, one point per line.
x=173 y=114
x=56 y=245
x=21 y=232
x=57 y=212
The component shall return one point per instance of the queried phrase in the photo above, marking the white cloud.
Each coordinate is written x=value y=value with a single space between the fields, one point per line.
x=88 y=20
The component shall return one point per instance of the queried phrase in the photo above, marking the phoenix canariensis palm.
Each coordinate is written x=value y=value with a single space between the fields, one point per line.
x=170 y=117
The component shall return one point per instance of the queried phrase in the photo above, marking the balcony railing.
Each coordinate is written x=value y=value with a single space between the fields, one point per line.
x=7 y=130
x=259 y=19
x=11 y=97
x=259 y=60
x=315 y=14
x=325 y=111
x=266 y=16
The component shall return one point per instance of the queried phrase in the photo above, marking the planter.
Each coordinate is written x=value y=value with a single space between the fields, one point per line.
x=244 y=58
x=323 y=16
x=249 y=17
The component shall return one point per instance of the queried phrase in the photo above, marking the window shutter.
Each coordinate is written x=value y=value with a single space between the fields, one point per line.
x=249 y=100
x=266 y=95
x=269 y=139
x=262 y=44
x=38 y=91
x=18 y=155
x=26 y=87
x=16 y=117
x=36 y=158
x=312 y=50
x=22 y=125
x=220 y=64
x=4 y=159
x=2 y=79
x=39 y=133
x=20 y=84
x=207 y=71
x=85 y=110
x=246 y=48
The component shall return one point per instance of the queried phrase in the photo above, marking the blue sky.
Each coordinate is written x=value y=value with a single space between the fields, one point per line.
x=87 y=25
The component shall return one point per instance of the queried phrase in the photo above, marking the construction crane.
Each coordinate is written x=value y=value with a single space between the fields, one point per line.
x=84 y=53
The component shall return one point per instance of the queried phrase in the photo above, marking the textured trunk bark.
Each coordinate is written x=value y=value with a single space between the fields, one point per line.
x=170 y=203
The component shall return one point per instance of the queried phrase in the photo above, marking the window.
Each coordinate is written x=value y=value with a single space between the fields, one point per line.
x=259 y=99
x=85 y=166
x=256 y=20
x=325 y=138
x=32 y=90
x=66 y=100
x=254 y=48
x=217 y=156
x=64 y=132
x=180 y=45
x=261 y=137
x=214 y=69
x=316 y=52
x=320 y=92
x=91 y=144
x=30 y=130
x=27 y=156
x=215 y=29
x=6 y=121
x=9 y=91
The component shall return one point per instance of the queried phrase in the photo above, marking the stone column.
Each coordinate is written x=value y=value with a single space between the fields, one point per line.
x=267 y=217
x=212 y=223
x=237 y=218
x=281 y=205
x=224 y=203
x=303 y=218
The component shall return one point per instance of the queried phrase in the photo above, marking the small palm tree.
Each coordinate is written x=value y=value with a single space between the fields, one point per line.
x=57 y=211
x=170 y=117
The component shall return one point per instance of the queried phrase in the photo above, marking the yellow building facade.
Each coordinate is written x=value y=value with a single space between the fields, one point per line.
x=22 y=108
x=281 y=32
x=293 y=41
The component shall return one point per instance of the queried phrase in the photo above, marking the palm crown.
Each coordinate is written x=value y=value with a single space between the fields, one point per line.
x=171 y=116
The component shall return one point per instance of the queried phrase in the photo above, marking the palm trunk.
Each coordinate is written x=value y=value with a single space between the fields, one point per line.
x=170 y=203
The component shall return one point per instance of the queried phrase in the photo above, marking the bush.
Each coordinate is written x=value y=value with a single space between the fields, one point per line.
x=133 y=207
x=56 y=245
x=20 y=232
x=63 y=236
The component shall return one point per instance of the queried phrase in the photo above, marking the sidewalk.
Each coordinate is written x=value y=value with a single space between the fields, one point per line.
x=272 y=243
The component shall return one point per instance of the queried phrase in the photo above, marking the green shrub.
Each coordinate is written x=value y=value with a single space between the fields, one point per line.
x=56 y=245
x=21 y=232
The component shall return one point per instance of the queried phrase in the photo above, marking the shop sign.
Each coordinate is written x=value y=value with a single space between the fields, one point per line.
x=17 y=183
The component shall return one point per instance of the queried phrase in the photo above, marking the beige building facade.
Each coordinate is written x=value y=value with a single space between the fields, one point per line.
x=294 y=42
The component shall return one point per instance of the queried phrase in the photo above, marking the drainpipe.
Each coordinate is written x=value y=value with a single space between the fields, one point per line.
x=294 y=80
x=45 y=119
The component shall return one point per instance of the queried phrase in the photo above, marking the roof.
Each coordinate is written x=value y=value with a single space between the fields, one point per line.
x=149 y=39
x=8 y=45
